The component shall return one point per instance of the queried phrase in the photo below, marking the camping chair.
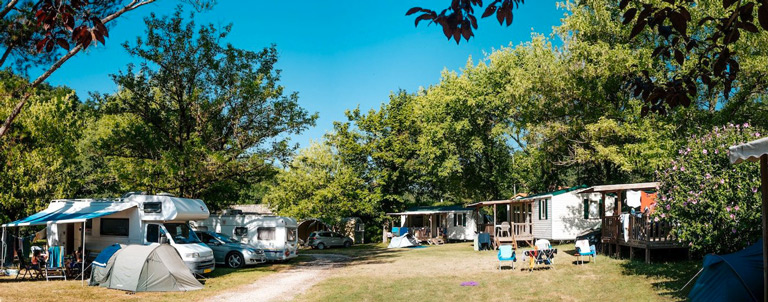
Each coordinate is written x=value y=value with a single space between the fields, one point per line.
x=55 y=264
x=27 y=267
x=506 y=253
x=584 y=249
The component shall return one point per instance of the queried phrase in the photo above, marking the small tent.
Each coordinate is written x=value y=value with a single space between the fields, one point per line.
x=406 y=240
x=156 y=267
x=733 y=277
x=103 y=264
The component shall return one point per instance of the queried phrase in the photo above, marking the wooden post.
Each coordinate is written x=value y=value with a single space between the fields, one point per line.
x=494 y=220
x=647 y=254
x=631 y=253
x=764 y=190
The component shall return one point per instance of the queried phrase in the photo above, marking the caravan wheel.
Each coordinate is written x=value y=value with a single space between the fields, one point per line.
x=235 y=260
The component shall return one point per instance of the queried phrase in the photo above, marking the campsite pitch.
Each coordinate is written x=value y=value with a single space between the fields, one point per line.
x=374 y=273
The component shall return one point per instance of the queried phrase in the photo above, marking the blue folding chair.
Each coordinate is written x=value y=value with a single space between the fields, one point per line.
x=506 y=253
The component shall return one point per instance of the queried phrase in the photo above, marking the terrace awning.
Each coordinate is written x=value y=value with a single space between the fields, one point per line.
x=70 y=212
x=750 y=151
x=622 y=187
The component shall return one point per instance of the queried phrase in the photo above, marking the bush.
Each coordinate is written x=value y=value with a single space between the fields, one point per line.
x=716 y=205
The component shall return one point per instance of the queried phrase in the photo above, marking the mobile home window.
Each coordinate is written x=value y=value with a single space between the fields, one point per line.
x=586 y=208
x=543 y=211
x=241 y=231
x=153 y=207
x=114 y=226
x=266 y=234
x=459 y=219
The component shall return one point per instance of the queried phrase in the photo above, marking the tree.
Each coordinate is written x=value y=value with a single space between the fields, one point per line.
x=197 y=118
x=715 y=206
x=47 y=25
x=39 y=160
x=458 y=20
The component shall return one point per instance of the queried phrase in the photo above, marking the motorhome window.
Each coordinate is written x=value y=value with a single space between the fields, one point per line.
x=114 y=226
x=153 y=232
x=153 y=207
x=291 y=236
x=241 y=231
x=266 y=234
x=181 y=233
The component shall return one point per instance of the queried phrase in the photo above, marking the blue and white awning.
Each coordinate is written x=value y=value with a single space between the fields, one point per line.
x=70 y=212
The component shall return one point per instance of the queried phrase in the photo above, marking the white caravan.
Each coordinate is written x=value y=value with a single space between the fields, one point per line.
x=276 y=235
x=132 y=219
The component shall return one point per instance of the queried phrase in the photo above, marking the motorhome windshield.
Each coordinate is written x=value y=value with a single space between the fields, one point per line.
x=181 y=233
x=225 y=238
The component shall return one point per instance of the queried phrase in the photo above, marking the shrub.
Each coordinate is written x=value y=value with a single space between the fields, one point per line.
x=714 y=204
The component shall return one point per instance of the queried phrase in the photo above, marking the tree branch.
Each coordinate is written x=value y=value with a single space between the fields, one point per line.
x=17 y=109
x=8 y=8
x=5 y=55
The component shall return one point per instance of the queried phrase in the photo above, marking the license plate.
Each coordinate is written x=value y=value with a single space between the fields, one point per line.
x=207 y=270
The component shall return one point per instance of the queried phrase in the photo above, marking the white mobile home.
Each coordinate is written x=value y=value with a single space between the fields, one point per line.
x=93 y=224
x=451 y=222
x=276 y=235
x=563 y=214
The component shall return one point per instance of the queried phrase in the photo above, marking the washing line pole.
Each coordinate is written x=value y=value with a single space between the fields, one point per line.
x=82 y=256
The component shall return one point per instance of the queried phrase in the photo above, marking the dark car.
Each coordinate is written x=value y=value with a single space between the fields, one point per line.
x=230 y=251
x=321 y=240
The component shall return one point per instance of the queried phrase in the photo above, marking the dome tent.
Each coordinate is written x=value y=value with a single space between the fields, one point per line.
x=732 y=277
x=161 y=269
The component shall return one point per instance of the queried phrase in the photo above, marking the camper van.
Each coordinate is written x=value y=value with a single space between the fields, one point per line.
x=135 y=218
x=276 y=235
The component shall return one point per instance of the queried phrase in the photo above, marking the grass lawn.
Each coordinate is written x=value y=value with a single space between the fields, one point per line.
x=219 y=281
x=434 y=274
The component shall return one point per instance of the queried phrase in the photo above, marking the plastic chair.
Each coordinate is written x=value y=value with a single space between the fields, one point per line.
x=506 y=253
x=584 y=249
x=504 y=229
x=28 y=268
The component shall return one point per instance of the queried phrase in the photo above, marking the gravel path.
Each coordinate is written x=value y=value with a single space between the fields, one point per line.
x=286 y=285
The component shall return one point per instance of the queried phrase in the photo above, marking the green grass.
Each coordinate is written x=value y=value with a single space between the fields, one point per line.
x=220 y=280
x=435 y=274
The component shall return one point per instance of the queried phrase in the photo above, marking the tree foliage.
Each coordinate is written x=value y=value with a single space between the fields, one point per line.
x=459 y=20
x=197 y=118
x=715 y=204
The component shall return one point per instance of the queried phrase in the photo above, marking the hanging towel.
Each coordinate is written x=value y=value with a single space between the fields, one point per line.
x=625 y=225
x=633 y=198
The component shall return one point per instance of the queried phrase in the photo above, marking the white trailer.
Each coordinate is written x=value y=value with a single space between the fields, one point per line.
x=276 y=235
x=134 y=218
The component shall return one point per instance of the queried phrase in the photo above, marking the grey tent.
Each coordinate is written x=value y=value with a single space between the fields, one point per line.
x=152 y=268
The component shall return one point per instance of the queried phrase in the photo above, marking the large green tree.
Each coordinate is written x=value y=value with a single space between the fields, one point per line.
x=197 y=118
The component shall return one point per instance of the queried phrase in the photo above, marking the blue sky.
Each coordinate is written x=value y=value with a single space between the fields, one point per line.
x=337 y=56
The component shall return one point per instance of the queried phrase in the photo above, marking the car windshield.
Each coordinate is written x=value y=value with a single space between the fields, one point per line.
x=224 y=238
x=181 y=233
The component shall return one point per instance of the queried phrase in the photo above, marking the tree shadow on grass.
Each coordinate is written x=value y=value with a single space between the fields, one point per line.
x=672 y=275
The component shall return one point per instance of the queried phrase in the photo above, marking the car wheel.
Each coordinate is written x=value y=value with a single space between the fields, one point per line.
x=320 y=246
x=235 y=260
x=347 y=243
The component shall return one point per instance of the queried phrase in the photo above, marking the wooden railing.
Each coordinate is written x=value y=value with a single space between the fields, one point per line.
x=610 y=228
x=522 y=229
x=640 y=229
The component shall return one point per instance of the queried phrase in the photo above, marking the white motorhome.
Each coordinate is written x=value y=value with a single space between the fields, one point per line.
x=276 y=235
x=132 y=219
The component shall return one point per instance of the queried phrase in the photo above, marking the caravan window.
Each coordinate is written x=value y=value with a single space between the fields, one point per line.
x=291 y=236
x=114 y=226
x=241 y=231
x=266 y=234
x=153 y=233
x=153 y=207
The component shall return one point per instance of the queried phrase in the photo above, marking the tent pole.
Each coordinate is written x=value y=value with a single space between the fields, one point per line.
x=82 y=256
x=764 y=190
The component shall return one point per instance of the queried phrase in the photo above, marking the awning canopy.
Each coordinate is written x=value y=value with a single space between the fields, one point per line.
x=70 y=212
x=432 y=210
x=750 y=151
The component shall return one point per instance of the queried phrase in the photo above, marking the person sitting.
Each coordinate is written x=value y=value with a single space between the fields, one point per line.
x=38 y=259
x=77 y=260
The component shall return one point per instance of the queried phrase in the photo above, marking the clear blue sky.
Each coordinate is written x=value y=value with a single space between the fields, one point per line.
x=336 y=55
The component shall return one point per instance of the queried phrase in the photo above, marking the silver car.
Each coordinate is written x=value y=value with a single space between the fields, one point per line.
x=230 y=251
x=325 y=239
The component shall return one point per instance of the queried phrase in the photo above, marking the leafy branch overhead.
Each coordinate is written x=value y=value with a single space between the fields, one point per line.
x=709 y=40
x=64 y=23
x=458 y=20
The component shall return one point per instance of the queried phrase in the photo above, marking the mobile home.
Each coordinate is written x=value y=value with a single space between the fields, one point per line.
x=451 y=222
x=563 y=214
x=135 y=218
x=276 y=235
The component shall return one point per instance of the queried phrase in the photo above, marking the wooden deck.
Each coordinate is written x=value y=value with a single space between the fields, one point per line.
x=519 y=232
x=642 y=233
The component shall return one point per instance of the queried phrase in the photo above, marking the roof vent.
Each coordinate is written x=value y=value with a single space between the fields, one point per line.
x=126 y=195
x=166 y=194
